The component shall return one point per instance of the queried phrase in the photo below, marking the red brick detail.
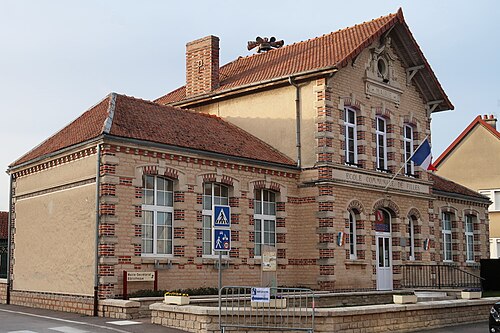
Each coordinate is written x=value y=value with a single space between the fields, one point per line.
x=179 y=233
x=179 y=251
x=281 y=253
x=106 y=270
x=199 y=266
x=325 y=206
x=137 y=211
x=138 y=192
x=138 y=231
x=251 y=236
x=199 y=199
x=199 y=233
x=326 y=285
x=190 y=188
x=171 y=173
x=106 y=290
x=179 y=214
x=327 y=238
x=326 y=253
x=124 y=259
x=150 y=170
x=300 y=201
x=137 y=250
x=235 y=235
x=107 y=209
x=234 y=253
x=235 y=218
x=325 y=222
x=179 y=196
x=281 y=238
x=106 y=250
x=108 y=189
x=325 y=173
x=107 y=169
x=280 y=222
x=199 y=252
x=302 y=262
x=280 y=206
x=327 y=270
x=106 y=229
x=126 y=181
x=234 y=202
x=251 y=254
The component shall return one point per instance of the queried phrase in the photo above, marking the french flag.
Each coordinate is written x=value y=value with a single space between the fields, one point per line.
x=422 y=157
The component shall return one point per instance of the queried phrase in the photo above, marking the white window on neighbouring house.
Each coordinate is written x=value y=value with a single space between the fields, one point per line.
x=447 y=240
x=352 y=236
x=351 y=140
x=264 y=219
x=213 y=194
x=408 y=149
x=494 y=196
x=157 y=216
x=469 y=237
x=381 y=137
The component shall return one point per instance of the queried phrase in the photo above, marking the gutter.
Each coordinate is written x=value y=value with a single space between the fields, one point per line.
x=256 y=85
x=9 y=240
x=97 y=221
x=297 y=121
x=461 y=196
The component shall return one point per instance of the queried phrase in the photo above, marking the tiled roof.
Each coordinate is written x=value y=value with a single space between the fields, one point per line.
x=4 y=224
x=478 y=121
x=128 y=117
x=332 y=50
x=446 y=185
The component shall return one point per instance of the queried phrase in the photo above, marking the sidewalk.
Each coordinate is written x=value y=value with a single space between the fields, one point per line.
x=15 y=315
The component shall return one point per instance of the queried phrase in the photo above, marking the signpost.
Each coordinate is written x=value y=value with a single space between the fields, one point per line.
x=221 y=231
x=139 y=277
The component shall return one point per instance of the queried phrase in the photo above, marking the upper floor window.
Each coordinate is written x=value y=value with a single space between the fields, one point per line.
x=408 y=148
x=447 y=240
x=213 y=194
x=264 y=219
x=381 y=137
x=352 y=236
x=157 y=216
x=469 y=237
x=351 y=140
x=494 y=196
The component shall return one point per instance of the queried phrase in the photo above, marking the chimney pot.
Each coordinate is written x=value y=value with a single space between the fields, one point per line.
x=202 y=66
x=491 y=120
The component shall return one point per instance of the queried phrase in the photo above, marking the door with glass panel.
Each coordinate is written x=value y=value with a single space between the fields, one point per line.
x=384 y=249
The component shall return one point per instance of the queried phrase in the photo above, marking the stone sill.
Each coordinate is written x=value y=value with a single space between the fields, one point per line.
x=3 y=281
x=356 y=262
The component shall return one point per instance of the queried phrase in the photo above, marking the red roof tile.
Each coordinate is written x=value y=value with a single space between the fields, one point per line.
x=478 y=121
x=129 y=117
x=446 y=185
x=4 y=224
x=332 y=50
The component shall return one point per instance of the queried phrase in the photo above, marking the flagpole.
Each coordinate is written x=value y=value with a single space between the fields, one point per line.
x=402 y=166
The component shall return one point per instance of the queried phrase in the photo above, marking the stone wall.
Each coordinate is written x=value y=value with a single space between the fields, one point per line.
x=375 y=318
x=3 y=291
x=67 y=303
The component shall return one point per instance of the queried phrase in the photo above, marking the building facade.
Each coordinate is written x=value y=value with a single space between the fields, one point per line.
x=131 y=184
x=477 y=145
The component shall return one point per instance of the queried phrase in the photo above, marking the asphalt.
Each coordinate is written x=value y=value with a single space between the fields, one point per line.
x=15 y=318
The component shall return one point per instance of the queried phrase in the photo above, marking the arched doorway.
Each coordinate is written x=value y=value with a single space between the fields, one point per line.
x=383 y=241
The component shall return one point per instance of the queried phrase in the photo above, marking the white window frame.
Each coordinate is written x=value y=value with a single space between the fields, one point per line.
x=352 y=236
x=347 y=127
x=408 y=149
x=155 y=208
x=411 y=228
x=494 y=195
x=469 y=237
x=207 y=216
x=446 y=218
x=264 y=211
x=381 y=134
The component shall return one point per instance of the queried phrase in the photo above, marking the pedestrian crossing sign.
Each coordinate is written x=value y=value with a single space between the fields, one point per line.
x=222 y=217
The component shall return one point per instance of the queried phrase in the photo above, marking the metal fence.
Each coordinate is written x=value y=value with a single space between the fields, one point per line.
x=438 y=276
x=287 y=309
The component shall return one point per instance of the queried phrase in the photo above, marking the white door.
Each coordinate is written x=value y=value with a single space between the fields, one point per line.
x=384 y=262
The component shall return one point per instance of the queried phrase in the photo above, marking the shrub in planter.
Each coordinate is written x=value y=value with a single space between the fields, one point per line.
x=176 y=298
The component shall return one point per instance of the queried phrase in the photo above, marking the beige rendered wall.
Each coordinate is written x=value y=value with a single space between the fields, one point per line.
x=475 y=161
x=494 y=224
x=270 y=116
x=55 y=229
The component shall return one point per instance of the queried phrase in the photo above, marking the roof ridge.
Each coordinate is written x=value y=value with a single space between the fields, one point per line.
x=313 y=38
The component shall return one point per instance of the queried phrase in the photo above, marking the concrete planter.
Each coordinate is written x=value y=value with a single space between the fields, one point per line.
x=404 y=299
x=471 y=294
x=177 y=300
x=279 y=303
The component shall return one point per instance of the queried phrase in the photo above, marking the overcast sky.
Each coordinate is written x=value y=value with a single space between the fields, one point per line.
x=58 y=58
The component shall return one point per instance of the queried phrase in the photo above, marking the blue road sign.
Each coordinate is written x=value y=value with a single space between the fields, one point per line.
x=222 y=217
x=222 y=239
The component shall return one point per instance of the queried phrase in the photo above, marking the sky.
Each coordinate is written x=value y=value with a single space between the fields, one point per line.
x=58 y=57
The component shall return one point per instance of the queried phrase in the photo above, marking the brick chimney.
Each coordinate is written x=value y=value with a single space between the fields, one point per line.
x=202 y=66
x=490 y=120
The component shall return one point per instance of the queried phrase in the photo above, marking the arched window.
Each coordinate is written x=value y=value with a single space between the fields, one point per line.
x=412 y=221
x=351 y=140
x=447 y=236
x=213 y=194
x=469 y=237
x=157 y=216
x=408 y=149
x=264 y=219
x=352 y=236
x=381 y=137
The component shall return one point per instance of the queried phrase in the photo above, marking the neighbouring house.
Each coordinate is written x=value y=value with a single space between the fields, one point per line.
x=303 y=142
x=473 y=160
x=3 y=243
